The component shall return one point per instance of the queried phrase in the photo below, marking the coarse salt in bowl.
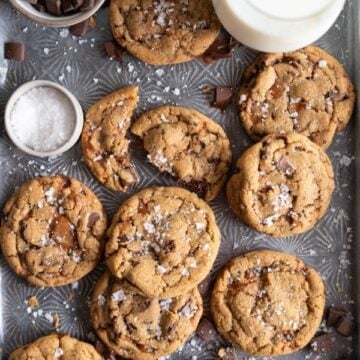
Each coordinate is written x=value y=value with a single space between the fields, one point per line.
x=43 y=118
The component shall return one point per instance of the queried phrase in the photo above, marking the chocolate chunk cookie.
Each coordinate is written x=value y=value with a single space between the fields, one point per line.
x=55 y=347
x=188 y=145
x=104 y=139
x=268 y=303
x=138 y=327
x=163 y=241
x=306 y=91
x=283 y=186
x=166 y=31
x=52 y=231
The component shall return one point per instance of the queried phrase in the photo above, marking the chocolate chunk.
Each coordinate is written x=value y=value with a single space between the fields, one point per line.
x=77 y=3
x=206 y=329
x=93 y=218
x=104 y=351
x=345 y=326
x=79 y=29
x=14 y=51
x=113 y=50
x=223 y=97
x=285 y=166
x=67 y=6
x=200 y=188
x=40 y=6
x=87 y=5
x=334 y=315
x=204 y=286
x=222 y=47
x=227 y=354
x=321 y=344
x=53 y=7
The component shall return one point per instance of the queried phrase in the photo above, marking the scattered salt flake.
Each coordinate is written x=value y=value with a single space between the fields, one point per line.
x=185 y=272
x=59 y=352
x=25 y=29
x=68 y=68
x=101 y=300
x=95 y=80
x=49 y=317
x=61 y=77
x=50 y=195
x=64 y=33
x=150 y=228
x=118 y=295
x=159 y=72
x=204 y=247
x=165 y=304
x=161 y=269
x=176 y=91
x=322 y=64
x=345 y=160
x=46 y=51
x=75 y=285
x=130 y=67
x=243 y=98
x=200 y=226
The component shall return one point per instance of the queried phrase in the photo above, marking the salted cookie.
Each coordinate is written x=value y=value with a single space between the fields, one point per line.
x=138 y=327
x=52 y=231
x=188 y=145
x=104 y=139
x=163 y=241
x=166 y=31
x=268 y=303
x=306 y=91
x=55 y=347
x=283 y=185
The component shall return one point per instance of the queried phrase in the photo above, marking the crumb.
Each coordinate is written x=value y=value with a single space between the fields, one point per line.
x=33 y=302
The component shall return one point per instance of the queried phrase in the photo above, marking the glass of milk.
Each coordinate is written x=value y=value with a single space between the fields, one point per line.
x=277 y=25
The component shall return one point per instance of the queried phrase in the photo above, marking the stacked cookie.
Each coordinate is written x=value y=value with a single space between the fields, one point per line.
x=161 y=244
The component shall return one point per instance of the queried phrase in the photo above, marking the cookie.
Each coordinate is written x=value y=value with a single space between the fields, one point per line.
x=52 y=231
x=138 y=327
x=166 y=31
x=104 y=139
x=283 y=185
x=268 y=303
x=188 y=145
x=55 y=347
x=163 y=241
x=306 y=92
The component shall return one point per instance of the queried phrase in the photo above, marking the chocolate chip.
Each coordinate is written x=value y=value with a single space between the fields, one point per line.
x=321 y=344
x=92 y=219
x=227 y=354
x=223 y=97
x=40 y=7
x=285 y=166
x=87 y=5
x=113 y=50
x=67 y=6
x=14 y=51
x=277 y=89
x=206 y=329
x=222 y=47
x=345 y=326
x=334 y=315
x=204 y=286
x=79 y=29
x=53 y=7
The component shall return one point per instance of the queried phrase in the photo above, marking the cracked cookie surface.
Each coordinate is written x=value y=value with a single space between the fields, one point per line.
x=55 y=347
x=104 y=139
x=166 y=31
x=188 y=145
x=268 y=303
x=52 y=231
x=283 y=185
x=138 y=327
x=163 y=241
x=306 y=91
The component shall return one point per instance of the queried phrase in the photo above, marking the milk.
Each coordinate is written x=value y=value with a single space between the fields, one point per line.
x=277 y=25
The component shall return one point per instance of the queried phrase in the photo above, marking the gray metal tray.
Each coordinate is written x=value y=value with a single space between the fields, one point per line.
x=81 y=66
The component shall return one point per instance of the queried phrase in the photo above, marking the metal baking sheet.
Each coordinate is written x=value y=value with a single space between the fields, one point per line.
x=81 y=66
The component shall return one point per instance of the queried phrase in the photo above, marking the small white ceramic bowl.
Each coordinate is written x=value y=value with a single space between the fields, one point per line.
x=78 y=126
x=47 y=19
